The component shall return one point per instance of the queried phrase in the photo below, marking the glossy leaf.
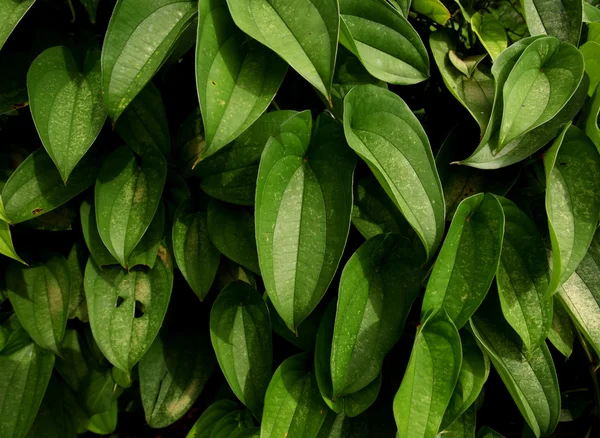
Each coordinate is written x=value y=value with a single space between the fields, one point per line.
x=94 y=243
x=138 y=40
x=591 y=54
x=303 y=207
x=210 y=417
x=561 y=19
x=433 y=9
x=490 y=32
x=430 y=377
x=11 y=12
x=65 y=97
x=383 y=131
x=562 y=332
x=240 y=332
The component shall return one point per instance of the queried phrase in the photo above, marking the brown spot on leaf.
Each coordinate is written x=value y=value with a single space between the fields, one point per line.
x=36 y=211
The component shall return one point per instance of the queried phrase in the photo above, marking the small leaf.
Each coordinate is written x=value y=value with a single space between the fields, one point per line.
x=468 y=65
x=91 y=6
x=240 y=331
x=40 y=298
x=105 y=422
x=145 y=251
x=210 y=417
x=591 y=56
x=65 y=97
x=229 y=271
x=93 y=241
x=561 y=19
x=11 y=12
x=430 y=377
x=6 y=244
x=433 y=9
x=383 y=131
x=562 y=332
x=490 y=32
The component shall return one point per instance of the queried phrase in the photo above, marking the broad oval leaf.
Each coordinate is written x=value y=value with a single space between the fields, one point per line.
x=559 y=18
x=138 y=40
x=126 y=309
x=490 y=32
x=303 y=208
x=572 y=167
x=40 y=297
x=240 y=332
x=92 y=238
x=210 y=417
x=293 y=404
x=430 y=377
x=522 y=278
x=377 y=288
x=530 y=377
x=195 y=254
x=11 y=12
x=236 y=77
x=384 y=132
x=127 y=195
x=384 y=41
x=305 y=35
x=468 y=260
x=65 y=97
x=37 y=188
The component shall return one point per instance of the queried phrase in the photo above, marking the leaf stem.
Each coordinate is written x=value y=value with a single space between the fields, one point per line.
x=70 y=2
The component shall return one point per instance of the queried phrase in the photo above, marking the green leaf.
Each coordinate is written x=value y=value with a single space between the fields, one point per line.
x=174 y=371
x=126 y=309
x=380 y=127
x=543 y=80
x=73 y=364
x=306 y=40
x=237 y=77
x=530 y=377
x=189 y=142
x=490 y=32
x=11 y=12
x=210 y=417
x=6 y=244
x=91 y=7
x=40 y=297
x=76 y=261
x=195 y=254
x=230 y=174
x=590 y=13
x=572 y=167
x=65 y=97
x=25 y=371
x=562 y=332
x=36 y=187
x=229 y=271
x=144 y=123
x=303 y=208
x=138 y=40
x=475 y=93
x=232 y=425
x=591 y=56
x=474 y=371
x=591 y=116
x=104 y=423
x=377 y=288
x=430 y=377
x=462 y=427
x=488 y=432
x=145 y=251
x=240 y=332
x=231 y=229
x=433 y=9
x=127 y=195
x=466 y=66
x=93 y=241
x=522 y=278
x=384 y=41
x=293 y=404
x=561 y=19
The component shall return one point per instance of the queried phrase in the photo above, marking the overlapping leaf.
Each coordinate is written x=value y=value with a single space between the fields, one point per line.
x=561 y=19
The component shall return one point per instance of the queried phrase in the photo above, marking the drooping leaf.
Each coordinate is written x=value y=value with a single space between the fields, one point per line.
x=430 y=377
x=303 y=208
x=145 y=251
x=384 y=41
x=562 y=332
x=209 y=418
x=561 y=19
x=11 y=12
x=380 y=127
x=236 y=77
x=293 y=404
x=240 y=331
x=40 y=297
x=65 y=97
x=468 y=260
x=139 y=38
x=94 y=243
x=306 y=40
x=127 y=195
x=490 y=32
x=6 y=244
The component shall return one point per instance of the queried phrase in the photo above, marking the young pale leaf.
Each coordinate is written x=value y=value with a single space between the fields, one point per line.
x=385 y=133
x=293 y=404
x=94 y=243
x=6 y=244
x=174 y=371
x=230 y=174
x=65 y=97
x=11 y=12
x=384 y=41
x=377 y=288
x=240 y=331
x=126 y=309
x=40 y=297
x=530 y=377
x=195 y=254
x=236 y=77
x=543 y=80
x=572 y=167
x=491 y=33
x=25 y=371
x=145 y=251
x=562 y=332
x=522 y=278
x=430 y=377
x=433 y=9
x=37 y=188
x=231 y=230
x=303 y=208
x=468 y=260
x=463 y=426
x=138 y=40
x=559 y=18
x=127 y=195
x=210 y=417
x=591 y=55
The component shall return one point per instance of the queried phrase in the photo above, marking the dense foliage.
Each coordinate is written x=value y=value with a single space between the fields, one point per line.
x=299 y=218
